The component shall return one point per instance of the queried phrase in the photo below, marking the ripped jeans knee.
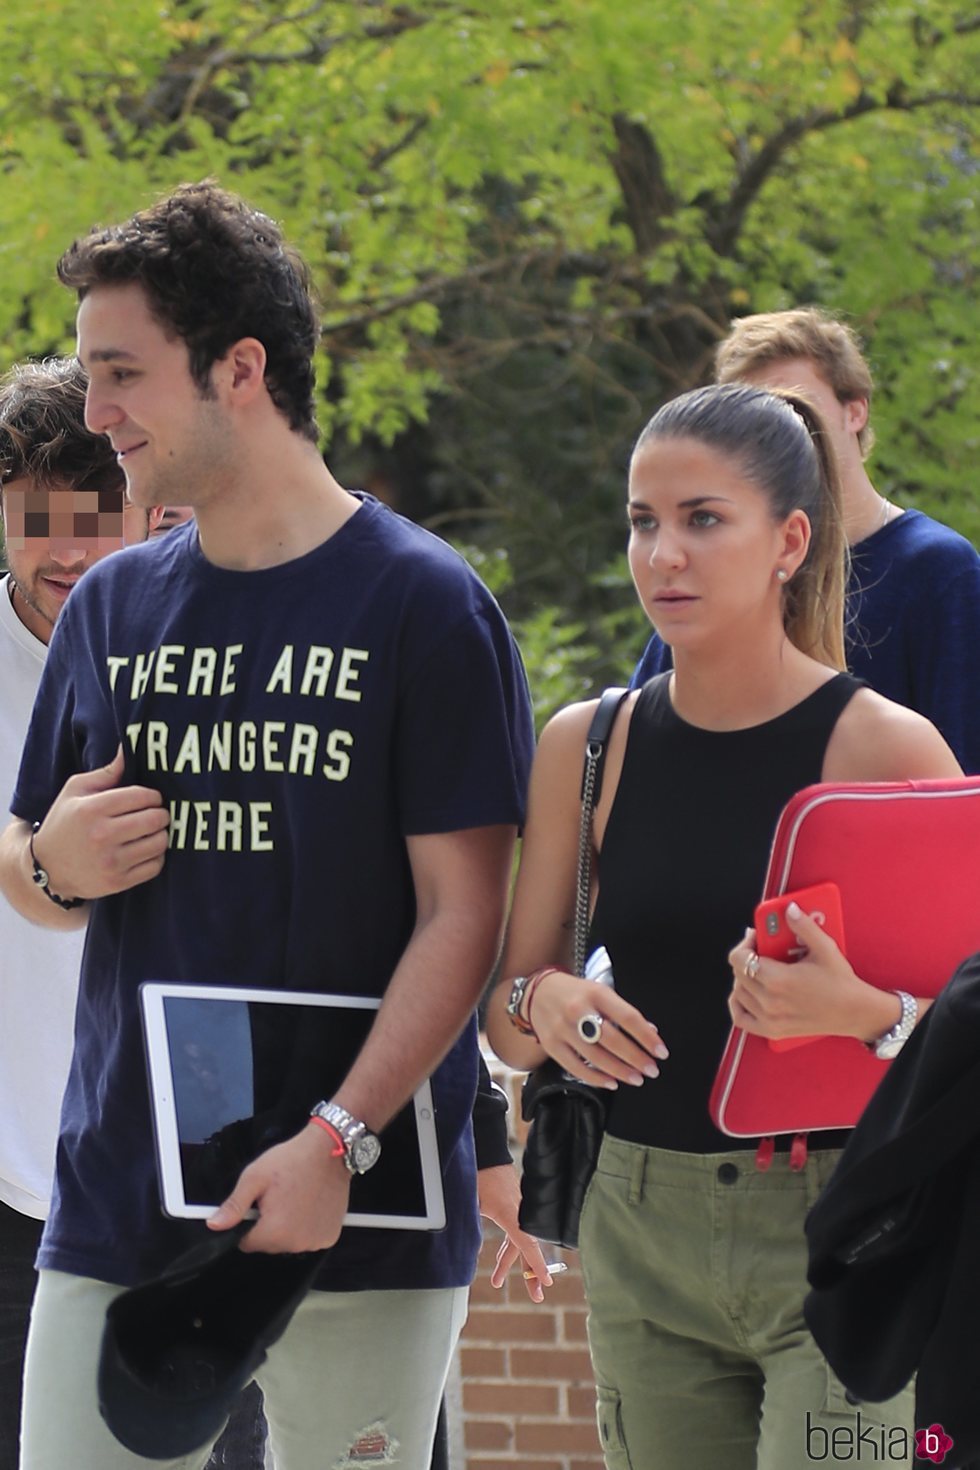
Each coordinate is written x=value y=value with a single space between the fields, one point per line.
x=369 y=1447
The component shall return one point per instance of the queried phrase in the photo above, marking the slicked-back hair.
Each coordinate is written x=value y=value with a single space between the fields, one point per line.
x=777 y=441
x=214 y=270
x=754 y=342
x=42 y=429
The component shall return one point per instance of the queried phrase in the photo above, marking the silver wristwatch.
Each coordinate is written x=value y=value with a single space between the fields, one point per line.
x=889 y=1045
x=362 y=1148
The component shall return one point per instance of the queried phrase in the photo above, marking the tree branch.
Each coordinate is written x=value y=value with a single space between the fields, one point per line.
x=222 y=57
x=639 y=168
x=438 y=287
x=385 y=155
x=726 y=226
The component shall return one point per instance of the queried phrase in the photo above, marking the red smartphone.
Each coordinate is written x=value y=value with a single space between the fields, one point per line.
x=775 y=940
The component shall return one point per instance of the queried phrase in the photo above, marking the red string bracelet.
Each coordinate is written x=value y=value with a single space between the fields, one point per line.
x=339 y=1151
x=532 y=986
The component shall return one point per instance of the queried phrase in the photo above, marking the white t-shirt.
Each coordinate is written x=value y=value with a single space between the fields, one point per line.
x=38 y=968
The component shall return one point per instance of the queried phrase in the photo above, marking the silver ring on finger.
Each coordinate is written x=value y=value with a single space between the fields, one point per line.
x=589 y=1027
x=751 y=968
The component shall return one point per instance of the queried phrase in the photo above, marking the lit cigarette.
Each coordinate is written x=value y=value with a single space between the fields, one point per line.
x=554 y=1268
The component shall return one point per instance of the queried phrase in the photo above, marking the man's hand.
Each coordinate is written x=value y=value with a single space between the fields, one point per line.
x=499 y=1194
x=99 y=837
x=301 y=1190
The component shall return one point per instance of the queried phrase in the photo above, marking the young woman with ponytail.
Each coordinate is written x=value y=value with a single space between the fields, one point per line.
x=694 y=1259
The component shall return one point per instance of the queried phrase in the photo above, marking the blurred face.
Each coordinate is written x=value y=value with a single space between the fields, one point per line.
x=704 y=549
x=52 y=538
x=175 y=445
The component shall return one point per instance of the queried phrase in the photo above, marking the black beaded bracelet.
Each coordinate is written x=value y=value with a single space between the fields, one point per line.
x=44 y=882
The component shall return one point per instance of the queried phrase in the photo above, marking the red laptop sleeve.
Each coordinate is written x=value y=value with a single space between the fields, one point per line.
x=906 y=858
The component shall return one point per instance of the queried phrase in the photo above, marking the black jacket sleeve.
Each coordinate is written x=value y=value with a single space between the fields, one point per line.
x=490 y=1122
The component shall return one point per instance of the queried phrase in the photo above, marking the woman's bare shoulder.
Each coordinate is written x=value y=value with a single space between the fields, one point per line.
x=876 y=739
x=570 y=723
x=561 y=750
x=566 y=731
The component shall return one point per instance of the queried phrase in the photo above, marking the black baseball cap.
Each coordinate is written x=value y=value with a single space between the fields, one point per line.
x=178 y=1350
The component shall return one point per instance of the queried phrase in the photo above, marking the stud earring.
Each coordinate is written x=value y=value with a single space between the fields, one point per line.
x=781 y=574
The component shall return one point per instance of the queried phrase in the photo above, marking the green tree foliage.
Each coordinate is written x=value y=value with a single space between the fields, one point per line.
x=531 y=220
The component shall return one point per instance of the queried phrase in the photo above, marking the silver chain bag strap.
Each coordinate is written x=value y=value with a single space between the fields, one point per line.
x=567 y=1117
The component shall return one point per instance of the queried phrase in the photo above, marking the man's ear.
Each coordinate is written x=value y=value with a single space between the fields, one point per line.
x=856 y=413
x=243 y=368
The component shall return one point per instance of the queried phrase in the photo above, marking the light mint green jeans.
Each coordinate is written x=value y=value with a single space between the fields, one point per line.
x=695 y=1272
x=354 y=1383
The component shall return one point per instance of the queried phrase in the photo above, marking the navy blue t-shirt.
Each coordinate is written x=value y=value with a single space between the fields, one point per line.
x=300 y=722
x=913 y=627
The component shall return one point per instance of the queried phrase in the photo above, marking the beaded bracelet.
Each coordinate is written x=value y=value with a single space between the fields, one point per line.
x=42 y=880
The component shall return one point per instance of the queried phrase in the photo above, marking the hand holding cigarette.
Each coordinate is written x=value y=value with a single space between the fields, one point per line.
x=554 y=1268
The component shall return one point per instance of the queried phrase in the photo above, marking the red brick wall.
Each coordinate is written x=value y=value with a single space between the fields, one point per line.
x=528 y=1396
x=527 y=1389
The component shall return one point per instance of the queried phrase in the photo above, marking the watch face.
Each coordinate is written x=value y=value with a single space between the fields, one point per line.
x=365 y=1152
x=887 y=1049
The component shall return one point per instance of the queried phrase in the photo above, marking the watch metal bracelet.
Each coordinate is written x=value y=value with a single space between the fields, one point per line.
x=361 y=1147
x=890 y=1044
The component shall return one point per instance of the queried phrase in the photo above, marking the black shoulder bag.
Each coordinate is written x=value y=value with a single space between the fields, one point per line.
x=567 y=1117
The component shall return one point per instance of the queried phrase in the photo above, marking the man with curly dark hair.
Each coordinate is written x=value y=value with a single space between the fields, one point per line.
x=213 y=270
x=300 y=723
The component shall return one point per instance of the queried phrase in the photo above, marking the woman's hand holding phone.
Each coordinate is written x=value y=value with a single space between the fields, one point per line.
x=777 y=941
x=814 y=995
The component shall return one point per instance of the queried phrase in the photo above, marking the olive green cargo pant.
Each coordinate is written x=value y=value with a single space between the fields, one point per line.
x=695 y=1271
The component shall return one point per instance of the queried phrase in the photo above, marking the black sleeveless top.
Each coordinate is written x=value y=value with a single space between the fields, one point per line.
x=681 y=869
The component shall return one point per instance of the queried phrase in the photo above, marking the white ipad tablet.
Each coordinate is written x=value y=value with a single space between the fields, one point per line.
x=234 y=1071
